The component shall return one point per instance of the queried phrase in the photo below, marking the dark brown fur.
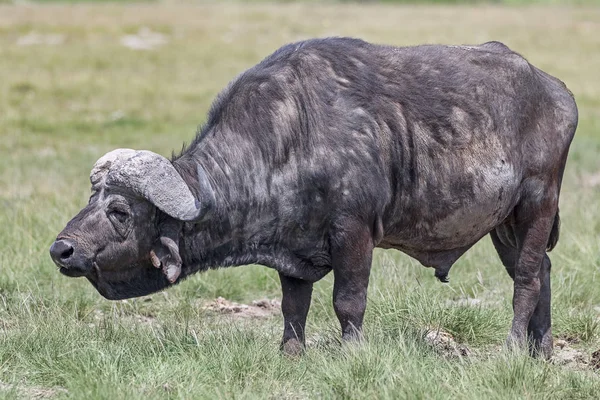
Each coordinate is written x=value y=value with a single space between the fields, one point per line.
x=329 y=148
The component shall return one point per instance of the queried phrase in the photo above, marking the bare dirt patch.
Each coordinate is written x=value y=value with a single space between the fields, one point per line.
x=145 y=39
x=592 y=180
x=32 y=392
x=258 y=309
x=444 y=343
x=36 y=38
x=595 y=360
x=566 y=355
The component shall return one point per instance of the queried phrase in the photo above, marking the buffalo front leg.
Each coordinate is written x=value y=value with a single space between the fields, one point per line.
x=352 y=250
x=294 y=305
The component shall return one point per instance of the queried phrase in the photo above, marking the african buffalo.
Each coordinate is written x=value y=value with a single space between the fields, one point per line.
x=329 y=148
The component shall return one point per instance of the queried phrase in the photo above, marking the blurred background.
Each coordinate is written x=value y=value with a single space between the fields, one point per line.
x=80 y=78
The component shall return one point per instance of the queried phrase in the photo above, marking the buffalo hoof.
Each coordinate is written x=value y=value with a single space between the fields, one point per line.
x=535 y=347
x=541 y=348
x=292 y=347
x=516 y=344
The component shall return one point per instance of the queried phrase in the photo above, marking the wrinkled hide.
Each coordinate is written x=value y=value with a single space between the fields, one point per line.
x=331 y=147
x=126 y=240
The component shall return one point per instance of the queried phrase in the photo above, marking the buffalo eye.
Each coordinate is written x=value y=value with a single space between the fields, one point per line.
x=119 y=217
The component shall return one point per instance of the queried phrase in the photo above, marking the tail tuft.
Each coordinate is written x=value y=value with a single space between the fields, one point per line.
x=554 y=234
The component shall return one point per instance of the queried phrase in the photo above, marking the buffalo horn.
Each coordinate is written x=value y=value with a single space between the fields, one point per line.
x=151 y=176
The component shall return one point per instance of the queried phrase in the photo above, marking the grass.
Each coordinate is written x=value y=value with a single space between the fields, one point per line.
x=63 y=105
x=397 y=2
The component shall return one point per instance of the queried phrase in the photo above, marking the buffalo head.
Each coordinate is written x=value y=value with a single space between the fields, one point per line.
x=113 y=240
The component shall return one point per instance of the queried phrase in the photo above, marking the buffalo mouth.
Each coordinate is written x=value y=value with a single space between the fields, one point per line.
x=72 y=272
x=135 y=281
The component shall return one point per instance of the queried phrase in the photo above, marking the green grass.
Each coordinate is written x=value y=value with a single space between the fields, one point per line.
x=509 y=2
x=62 y=106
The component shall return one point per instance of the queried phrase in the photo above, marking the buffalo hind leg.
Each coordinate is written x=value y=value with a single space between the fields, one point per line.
x=352 y=252
x=522 y=249
x=295 y=303
x=539 y=330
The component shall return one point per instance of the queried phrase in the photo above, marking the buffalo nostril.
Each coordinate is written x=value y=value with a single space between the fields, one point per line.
x=67 y=253
x=61 y=250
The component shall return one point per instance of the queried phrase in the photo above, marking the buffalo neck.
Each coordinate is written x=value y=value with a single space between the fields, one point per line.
x=241 y=222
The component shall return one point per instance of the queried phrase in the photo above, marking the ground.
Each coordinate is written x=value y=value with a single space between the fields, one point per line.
x=76 y=82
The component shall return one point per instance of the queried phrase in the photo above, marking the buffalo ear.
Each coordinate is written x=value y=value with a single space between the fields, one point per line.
x=165 y=255
x=165 y=252
x=154 y=178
